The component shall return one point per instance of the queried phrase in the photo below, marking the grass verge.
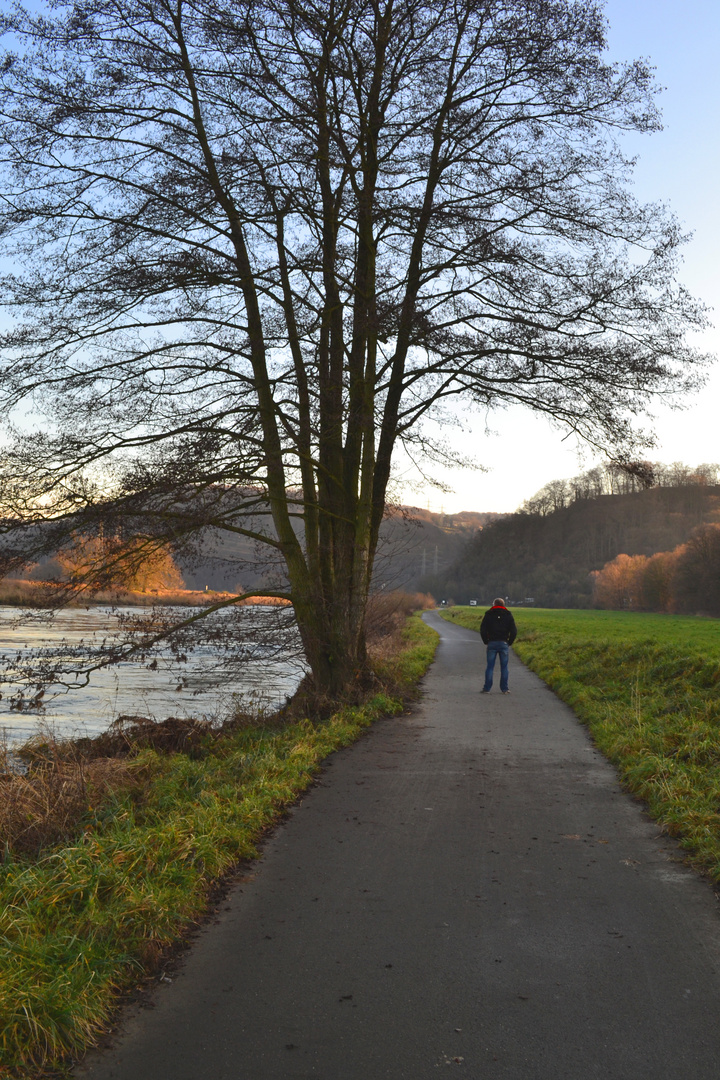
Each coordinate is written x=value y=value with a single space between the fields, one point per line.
x=647 y=688
x=82 y=922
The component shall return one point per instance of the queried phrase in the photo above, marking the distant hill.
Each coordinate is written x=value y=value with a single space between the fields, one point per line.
x=546 y=551
x=464 y=520
x=414 y=543
x=549 y=555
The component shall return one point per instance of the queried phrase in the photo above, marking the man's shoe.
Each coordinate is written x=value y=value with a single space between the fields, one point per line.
x=504 y=691
x=484 y=691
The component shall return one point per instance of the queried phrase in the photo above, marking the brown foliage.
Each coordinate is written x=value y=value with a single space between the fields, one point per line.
x=128 y=735
x=48 y=803
x=619 y=583
x=135 y=564
x=686 y=579
x=386 y=616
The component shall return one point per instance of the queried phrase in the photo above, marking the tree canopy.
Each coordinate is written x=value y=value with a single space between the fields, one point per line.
x=251 y=246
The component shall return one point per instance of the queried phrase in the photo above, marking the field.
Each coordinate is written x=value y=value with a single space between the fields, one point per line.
x=648 y=688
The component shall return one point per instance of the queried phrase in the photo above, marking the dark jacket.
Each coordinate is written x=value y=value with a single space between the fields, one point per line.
x=498 y=625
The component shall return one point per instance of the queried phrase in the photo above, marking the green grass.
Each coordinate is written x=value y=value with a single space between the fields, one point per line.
x=82 y=923
x=648 y=687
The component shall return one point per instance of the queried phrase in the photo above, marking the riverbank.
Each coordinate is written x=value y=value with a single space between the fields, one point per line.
x=17 y=592
x=91 y=917
x=647 y=687
x=196 y=682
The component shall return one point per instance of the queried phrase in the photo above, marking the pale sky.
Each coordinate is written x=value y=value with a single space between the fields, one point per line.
x=679 y=166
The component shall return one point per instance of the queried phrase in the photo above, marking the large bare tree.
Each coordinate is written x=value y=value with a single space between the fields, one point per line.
x=251 y=245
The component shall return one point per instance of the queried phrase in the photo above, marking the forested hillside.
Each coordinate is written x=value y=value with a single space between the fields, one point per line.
x=413 y=543
x=548 y=549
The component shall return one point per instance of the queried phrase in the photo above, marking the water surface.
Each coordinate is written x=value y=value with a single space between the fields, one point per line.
x=197 y=687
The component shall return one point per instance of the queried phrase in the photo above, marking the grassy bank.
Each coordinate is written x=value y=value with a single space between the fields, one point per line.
x=648 y=688
x=85 y=920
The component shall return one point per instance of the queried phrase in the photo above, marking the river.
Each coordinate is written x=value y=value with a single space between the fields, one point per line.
x=198 y=687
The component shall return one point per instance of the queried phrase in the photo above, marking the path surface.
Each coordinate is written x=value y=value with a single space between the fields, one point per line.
x=466 y=888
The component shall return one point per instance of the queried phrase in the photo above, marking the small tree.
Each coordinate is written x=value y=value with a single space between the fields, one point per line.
x=258 y=244
x=620 y=582
x=696 y=580
x=657 y=580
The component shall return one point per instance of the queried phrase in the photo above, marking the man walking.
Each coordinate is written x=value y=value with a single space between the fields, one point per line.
x=498 y=631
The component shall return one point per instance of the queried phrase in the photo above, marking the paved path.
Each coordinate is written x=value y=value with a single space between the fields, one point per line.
x=466 y=888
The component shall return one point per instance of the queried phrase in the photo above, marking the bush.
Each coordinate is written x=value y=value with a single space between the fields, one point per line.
x=684 y=580
x=387 y=614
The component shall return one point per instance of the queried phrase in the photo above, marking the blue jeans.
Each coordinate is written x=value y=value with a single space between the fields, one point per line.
x=501 y=649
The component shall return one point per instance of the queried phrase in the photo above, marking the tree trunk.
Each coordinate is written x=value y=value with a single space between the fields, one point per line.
x=333 y=636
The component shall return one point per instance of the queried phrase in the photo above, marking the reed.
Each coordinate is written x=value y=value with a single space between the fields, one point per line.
x=16 y=592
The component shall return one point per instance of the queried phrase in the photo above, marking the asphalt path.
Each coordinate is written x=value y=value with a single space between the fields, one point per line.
x=465 y=888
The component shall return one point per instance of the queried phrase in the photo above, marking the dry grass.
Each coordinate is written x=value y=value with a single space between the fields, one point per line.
x=387 y=615
x=47 y=805
x=64 y=782
x=128 y=735
x=17 y=592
